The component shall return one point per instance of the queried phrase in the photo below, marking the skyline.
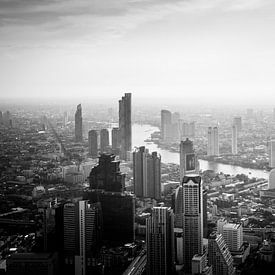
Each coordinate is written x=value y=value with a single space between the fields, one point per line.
x=218 y=51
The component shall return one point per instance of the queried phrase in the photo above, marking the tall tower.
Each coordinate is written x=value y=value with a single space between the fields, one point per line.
x=125 y=125
x=213 y=142
x=166 y=120
x=82 y=236
x=188 y=159
x=271 y=147
x=219 y=256
x=271 y=181
x=115 y=138
x=104 y=140
x=78 y=124
x=233 y=236
x=92 y=141
x=234 y=140
x=192 y=219
x=147 y=173
x=238 y=122
x=160 y=241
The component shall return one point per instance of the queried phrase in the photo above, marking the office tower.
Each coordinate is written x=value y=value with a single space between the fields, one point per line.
x=104 y=140
x=178 y=207
x=81 y=236
x=107 y=186
x=65 y=118
x=147 y=173
x=192 y=218
x=125 y=125
x=213 y=142
x=234 y=140
x=32 y=264
x=271 y=147
x=92 y=143
x=271 y=181
x=187 y=130
x=199 y=265
x=232 y=234
x=78 y=124
x=160 y=241
x=115 y=138
x=166 y=120
x=106 y=175
x=219 y=256
x=204 y=214
x=238 y=122
x=178 y=232
x=188 y=159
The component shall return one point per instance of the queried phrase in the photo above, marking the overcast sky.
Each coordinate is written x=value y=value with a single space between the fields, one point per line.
x=205 y=50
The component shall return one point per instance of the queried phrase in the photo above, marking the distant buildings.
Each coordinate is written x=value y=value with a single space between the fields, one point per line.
x=78 y=124
x=125 y=125
x=188 y=159
x=115 y=138
x=166 y=120
x=271 y=147
x=271 y=182
x=104 y=141
x=219 y=256
x=192 y=219
x=187 y=130
x=147 y=173
x=160 y=241
x=234 y=140
x=213 y=142
x=237 y=121
x=92 y=143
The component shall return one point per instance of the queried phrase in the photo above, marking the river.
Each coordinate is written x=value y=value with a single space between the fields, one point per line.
x=142 y=132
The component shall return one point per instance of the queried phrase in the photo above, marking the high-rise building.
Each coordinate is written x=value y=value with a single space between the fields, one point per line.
x=188 y=159
x=32 y=264
x=187 y=130
x=199 y=265
x=81 y=236
x=115 y=138
x=178 y=207
x=271 y=147
x=107 y=185
x=104 y=141
x=78 y=124
x=160 y=241
x=92 y=141
x=192 y=219
x=271 y=181
x=232 y=234
x=106 y=175
x=204 y=214
x=213 y=142
x=238 y=122
x=65 y=118
x=166 y=120
x=234 y=140
x=125 y=125
x=147 y=173
x=219 y=256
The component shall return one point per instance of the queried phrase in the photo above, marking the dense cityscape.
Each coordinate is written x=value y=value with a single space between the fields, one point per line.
x=96 y=190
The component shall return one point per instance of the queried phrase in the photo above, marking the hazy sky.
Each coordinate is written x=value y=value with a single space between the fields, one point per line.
x=208 y=50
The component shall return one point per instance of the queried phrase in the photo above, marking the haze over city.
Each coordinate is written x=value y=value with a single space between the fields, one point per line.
x=217 y=50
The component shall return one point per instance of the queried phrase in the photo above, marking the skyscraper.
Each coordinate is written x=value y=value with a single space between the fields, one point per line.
x=147 y=173
x=179 y=207
x=192 y=219
x=107 y=185
x=78 y=124
x=166 y=120
x=233 y=236
x=104 y=140
x=188 y=159
x=271 y=181
x=115 y=138
x=219 y=256
x=204 y=214
x=238 y=122
x=213 y=142
x=82 y=236
x=125 y=125
x=234 y=140
x=92 y=142
x=160 y=241
x=271 y=147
